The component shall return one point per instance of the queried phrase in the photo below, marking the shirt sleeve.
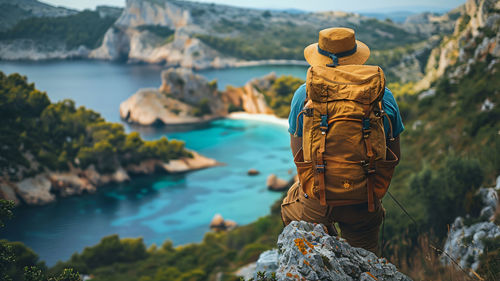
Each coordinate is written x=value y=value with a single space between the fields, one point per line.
x=297 y=105
x=390 y=106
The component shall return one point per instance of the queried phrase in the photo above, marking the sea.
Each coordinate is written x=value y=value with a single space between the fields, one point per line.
x=161 y=207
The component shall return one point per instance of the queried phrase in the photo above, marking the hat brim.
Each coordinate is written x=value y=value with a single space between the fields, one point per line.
x=359 y=57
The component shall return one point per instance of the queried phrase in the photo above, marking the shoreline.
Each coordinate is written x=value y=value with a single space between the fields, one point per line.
x=266 y=118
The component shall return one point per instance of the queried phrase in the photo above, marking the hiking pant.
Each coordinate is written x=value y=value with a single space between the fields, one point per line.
x=358 y=226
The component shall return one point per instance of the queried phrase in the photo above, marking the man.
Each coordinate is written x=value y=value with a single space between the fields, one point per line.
x=337 y=46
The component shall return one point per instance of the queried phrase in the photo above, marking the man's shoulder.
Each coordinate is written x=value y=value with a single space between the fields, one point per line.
x=300 y=95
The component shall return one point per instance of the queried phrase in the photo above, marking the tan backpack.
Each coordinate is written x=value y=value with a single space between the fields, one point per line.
x=344 y=159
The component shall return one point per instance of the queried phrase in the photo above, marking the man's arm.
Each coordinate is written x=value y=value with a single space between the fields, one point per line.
x=295 y=144
x=395 y=147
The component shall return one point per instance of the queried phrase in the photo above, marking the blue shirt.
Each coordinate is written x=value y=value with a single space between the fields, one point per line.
x=389 y=105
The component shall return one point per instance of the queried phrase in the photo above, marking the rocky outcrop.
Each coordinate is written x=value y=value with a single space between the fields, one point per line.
x=432 y=24
x=218 y=223
x=306 y=252
x=183 y=165
x=276 y=184
x=46 y=187
x=249 y=97
x=474 y=39
x=27 y=49
x=184 y=97
x=465 y=243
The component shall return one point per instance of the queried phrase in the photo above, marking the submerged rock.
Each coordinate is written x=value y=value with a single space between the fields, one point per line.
x=306 y=252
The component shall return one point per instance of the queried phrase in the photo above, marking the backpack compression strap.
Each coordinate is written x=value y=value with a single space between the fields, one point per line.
x=370 y=166
x=320 y=162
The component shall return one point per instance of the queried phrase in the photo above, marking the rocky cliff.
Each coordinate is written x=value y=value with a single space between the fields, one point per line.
x=466 y=242
x=46 y=187
x=185 y=97
x=474 y=39
x=198 y=35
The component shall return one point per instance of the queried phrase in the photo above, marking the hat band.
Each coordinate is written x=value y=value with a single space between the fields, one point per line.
x=335 y=57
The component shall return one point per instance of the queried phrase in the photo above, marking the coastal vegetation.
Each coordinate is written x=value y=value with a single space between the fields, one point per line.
x=286 y=40
x=280 y=94
x=129 y=259
x=38 y=135
x=85 y=28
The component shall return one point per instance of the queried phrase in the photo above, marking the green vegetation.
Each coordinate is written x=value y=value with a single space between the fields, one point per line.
x=57 y=135
x=450 y=147
x=202 y=108
x=158 y=30
x=258 y=39
x=218 y=253
x=280 y=95
x=86 y=28
x=464 y=21
x=18 y=262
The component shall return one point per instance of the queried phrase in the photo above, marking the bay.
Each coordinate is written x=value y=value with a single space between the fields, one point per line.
x=160 y=207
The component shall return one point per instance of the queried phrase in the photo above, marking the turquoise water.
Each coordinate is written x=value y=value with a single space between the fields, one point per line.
x=157 y=208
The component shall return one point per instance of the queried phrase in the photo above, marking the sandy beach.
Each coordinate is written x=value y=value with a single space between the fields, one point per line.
x=268 y=118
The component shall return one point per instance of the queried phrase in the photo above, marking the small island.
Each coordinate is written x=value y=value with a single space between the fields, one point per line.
x=52 y=150
x=186 y=98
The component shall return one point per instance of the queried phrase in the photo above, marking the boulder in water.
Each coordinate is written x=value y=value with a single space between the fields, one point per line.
x=276 y=184
x=253 y=172
x=218 y=223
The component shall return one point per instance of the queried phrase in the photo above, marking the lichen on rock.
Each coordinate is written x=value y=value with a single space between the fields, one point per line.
x=307 y=252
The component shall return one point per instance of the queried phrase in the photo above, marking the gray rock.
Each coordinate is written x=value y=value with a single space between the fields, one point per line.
x=36 y=191
x=307 y=252
x=465 y=243
x=267 y=262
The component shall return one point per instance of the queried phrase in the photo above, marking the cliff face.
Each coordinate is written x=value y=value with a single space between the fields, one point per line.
x=185 y=97
x=46 y=187
x=127 y=39
x=200 y=32
x=474 y=39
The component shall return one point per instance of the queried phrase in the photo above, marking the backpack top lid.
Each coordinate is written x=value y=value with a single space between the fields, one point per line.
x=361 y=83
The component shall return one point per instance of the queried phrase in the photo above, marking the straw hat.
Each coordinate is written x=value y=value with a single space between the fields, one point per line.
x=338 y=44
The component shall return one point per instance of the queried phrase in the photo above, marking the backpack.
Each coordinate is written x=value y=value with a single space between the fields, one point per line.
x=344 y=158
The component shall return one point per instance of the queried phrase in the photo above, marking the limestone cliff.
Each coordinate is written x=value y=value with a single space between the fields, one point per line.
x=474 y=39
x=249 y=98
x=46 y=187
x=185 y=97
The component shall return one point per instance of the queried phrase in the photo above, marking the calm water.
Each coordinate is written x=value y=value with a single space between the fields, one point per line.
x=176 y=207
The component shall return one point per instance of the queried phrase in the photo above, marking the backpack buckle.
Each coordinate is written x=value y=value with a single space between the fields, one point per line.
x=308 y=111
x=366 y=127
x=324 y=124
x=366 y=166
x=320 y=168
